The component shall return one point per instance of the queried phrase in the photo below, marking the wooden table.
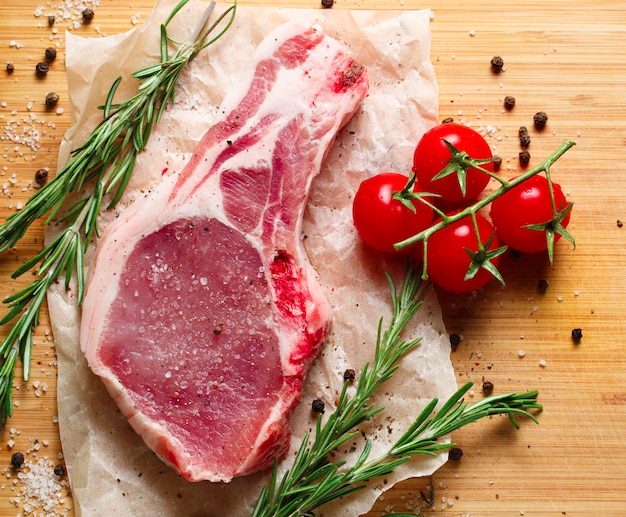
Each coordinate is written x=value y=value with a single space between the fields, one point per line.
x=567 y=58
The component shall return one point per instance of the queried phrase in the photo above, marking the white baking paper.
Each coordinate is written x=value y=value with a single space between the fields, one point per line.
x=111 y=470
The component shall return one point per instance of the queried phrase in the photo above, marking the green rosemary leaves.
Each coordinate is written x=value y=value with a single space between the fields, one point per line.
x=313 y=480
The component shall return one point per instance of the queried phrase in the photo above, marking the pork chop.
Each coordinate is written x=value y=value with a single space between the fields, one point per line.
x=202 y=314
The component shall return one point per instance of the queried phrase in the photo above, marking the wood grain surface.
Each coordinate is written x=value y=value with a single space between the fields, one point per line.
x=567 y=58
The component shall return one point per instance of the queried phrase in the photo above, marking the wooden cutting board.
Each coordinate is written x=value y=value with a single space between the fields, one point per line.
x=567 y=58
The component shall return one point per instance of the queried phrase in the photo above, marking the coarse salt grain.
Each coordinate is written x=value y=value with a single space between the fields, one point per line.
x=41 y=491
x=70 y=11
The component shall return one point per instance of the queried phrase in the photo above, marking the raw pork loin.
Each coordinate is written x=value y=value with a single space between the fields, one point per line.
x=202 y=314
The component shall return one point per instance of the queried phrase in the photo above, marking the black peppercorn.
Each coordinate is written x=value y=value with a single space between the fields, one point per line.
x=455 y=339
x=455 y=454
x=317 y=406
x=51 y=19
x=349 y=375
x=10 y=67
x=487 y=387
x=59 y=470
x=509 y=102
x=543 y=284
x=447 y=120
x=42 y=68
x=620 y=224
x=540 y=119
x=524 y=158
x=51 y=54
x=17 y=460
x=524 y=140
x=52 y=99
x=496 y=64
x=497 y=163
x=577 y=335
x=327 y=3
x=88 y=14
x=41 y=176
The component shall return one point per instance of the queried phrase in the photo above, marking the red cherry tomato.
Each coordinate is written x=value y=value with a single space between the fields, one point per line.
x=382 y=221
x=528 y=204
x=448 y=261
x=432 y=156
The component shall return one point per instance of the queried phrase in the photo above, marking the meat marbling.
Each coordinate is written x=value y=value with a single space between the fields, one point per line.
x=202 y=314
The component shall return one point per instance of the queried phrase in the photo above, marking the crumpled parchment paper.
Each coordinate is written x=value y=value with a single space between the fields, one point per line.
x=111 y=470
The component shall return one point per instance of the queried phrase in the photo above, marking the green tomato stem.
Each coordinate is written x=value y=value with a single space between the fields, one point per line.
x=471 y=210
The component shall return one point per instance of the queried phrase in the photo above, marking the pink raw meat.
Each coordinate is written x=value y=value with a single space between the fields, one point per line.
x=202 y=315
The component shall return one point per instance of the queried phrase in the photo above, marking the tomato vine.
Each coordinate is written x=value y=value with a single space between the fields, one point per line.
x=554 y=225
x=455 y=167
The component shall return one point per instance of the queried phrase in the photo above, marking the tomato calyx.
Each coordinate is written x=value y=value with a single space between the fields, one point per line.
x=554 y=226
x=484 y=256
x=459 y=163
x=464 y=256
x=381 y=219
x=407 y=195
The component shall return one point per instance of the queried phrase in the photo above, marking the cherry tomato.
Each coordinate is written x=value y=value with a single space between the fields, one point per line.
x=382 y=221
x=432 y=156
x=448 y=260
x=529 y=204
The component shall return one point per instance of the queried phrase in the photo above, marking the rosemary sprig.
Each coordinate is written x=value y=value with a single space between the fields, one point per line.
x=106 y=158
x=313 y=480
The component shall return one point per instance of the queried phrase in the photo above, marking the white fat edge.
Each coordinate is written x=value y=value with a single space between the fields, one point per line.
x=277 y=415
x=279 y=35
x=150 y=430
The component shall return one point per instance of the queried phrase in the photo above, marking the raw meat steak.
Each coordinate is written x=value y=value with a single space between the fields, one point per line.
x=202 y=314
